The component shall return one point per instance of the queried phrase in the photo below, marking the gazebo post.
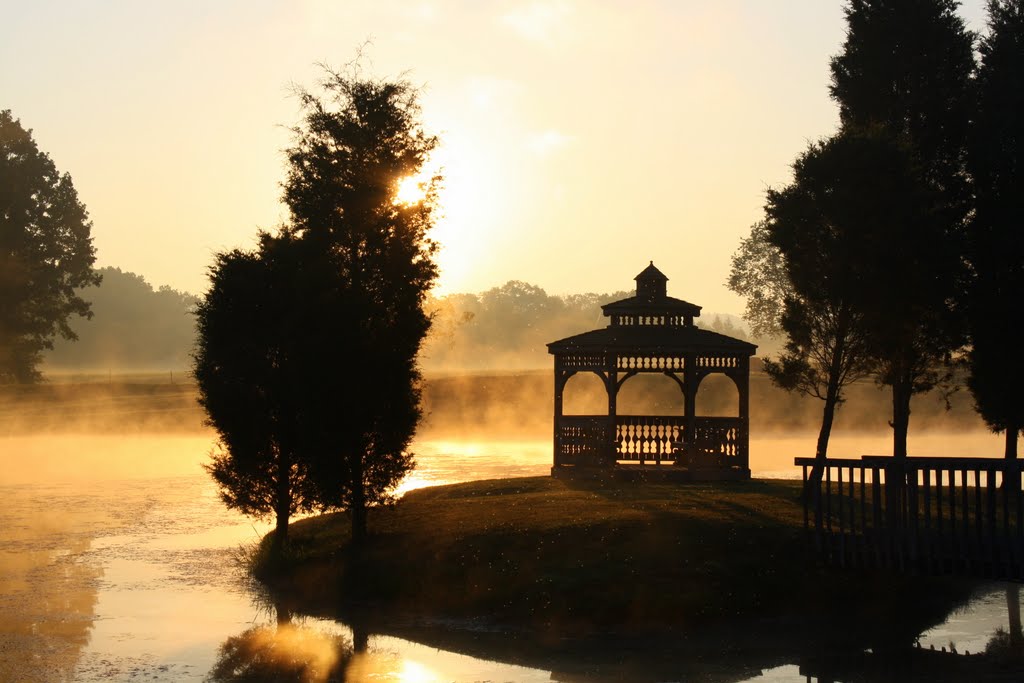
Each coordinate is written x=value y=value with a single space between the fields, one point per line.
x=613 y=393
x=743 y=384
x=690 y=381
x=559 y=391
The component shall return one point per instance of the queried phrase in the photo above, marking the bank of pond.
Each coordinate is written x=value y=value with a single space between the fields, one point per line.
x=552 y=571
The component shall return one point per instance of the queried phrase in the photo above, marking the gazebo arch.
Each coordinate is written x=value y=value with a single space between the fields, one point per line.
x=653 y=333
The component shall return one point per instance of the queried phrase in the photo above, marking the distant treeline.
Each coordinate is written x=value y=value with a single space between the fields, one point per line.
x=133 y=327
x=138 y=328
x=508 y=327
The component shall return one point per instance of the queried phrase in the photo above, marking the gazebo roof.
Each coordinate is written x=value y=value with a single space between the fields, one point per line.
x=652 y=339
x=636 y=304
x=651 y=322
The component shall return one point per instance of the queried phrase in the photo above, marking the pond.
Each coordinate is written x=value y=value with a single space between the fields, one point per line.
x=118 y=564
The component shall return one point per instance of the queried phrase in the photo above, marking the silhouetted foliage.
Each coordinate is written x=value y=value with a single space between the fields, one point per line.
x=245 y=366
x=46 y=253
x=906 y=67
x=307 y=348
x=995 y=156
x=354 y=148
x=812 y=224
x=903 y=80
x=133 y=326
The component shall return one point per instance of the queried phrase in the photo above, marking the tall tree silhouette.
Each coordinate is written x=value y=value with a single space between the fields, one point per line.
x=995 y=158
x=817 y=225
x=250 y=366
x=306 y=360
x=46 y=253
x=904 y=73
x=358 y=142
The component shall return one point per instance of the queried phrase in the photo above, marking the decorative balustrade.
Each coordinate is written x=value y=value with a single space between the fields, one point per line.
x=717 y=362
x=644 y=438
x=652 y=363
x=718 y=436
x=583 y=361
x=582 y=440
x=586 y=439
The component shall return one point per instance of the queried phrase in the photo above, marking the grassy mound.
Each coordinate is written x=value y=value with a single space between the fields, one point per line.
x=591 y=556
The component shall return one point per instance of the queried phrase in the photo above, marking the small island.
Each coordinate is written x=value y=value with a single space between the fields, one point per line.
x=581 y=558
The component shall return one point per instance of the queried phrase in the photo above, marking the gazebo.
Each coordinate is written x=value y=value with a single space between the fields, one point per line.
x=653 y=333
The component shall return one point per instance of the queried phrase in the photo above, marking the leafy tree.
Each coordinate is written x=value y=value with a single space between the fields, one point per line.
x=356 y=145
x=46 y=253
x=793 y=271
x=243 y=367
x=904 y=74
x=758 y=273
x=319 y=405
x=906 y=67
x=995 y=155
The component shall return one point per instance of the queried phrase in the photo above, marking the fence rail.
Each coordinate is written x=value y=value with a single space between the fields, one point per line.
x=961 y=516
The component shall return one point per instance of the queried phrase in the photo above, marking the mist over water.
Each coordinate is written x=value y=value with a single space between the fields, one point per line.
x=117 y=561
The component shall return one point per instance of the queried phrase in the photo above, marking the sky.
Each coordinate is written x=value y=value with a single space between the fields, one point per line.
x=580 y=139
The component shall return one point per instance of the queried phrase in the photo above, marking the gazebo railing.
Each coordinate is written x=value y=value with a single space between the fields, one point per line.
x=649 y=437
x=645 y=439
x=582 y=440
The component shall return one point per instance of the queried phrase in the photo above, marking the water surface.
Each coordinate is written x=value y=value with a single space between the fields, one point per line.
x=118 y=565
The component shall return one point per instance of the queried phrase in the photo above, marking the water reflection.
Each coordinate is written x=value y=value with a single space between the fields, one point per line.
x=48 y=585
x=435 y=652
x=284 y=652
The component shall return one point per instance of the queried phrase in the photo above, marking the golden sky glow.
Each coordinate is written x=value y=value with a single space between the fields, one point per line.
x=580 y=138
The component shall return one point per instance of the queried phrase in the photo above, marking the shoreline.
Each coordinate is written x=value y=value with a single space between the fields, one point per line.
x=540 y=557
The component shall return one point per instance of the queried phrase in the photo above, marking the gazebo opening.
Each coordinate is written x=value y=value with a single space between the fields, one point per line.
x=652 y=333
x=649 y=394
x=717 y=396
x=585 y=395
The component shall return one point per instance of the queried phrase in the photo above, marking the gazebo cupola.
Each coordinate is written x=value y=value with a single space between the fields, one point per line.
x=652 y=332
x=651 y=284
x=652 y=305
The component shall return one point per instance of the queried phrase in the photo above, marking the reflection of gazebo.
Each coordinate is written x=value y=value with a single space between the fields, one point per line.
x=653 y=333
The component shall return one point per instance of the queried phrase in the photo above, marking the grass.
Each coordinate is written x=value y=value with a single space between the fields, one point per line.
x=589 y=556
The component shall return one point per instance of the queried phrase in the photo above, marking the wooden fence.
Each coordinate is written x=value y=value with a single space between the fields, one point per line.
x=962 y=516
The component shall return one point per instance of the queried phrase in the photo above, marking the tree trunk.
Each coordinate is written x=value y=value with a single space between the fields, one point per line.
x=827 y=417
x=282 y=509
x=895 y=475
x=358 y=510
x=358 y=522
x=1011 y=478
x=901 y=388
x=280 y=539
x=821 y=450
x=284 y=615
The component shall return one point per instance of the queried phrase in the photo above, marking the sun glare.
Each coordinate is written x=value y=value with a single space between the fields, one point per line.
x=411 y=189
